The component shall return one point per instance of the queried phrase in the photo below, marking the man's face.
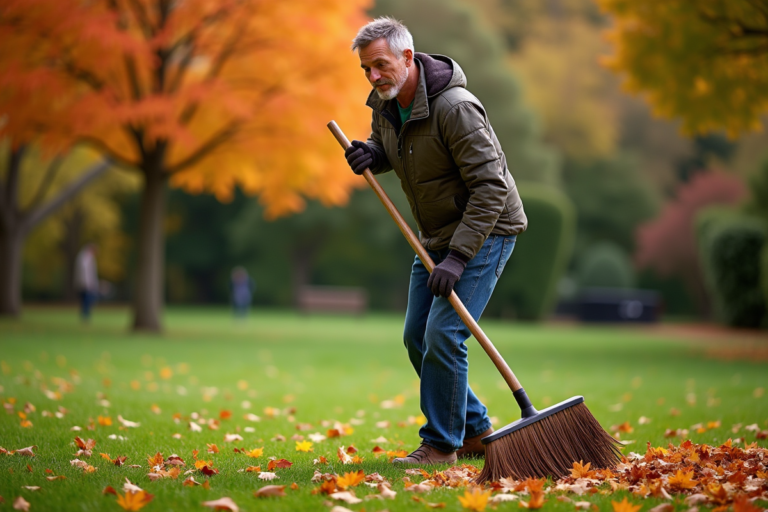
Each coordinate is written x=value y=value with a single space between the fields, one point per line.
x=385 y=71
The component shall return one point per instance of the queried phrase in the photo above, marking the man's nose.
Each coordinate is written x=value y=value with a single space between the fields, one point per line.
x=375 y=75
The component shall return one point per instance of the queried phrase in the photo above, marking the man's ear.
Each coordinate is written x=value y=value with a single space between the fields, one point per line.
x=408 y=54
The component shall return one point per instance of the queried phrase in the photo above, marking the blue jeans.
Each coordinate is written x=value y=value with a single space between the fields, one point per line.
x=434 y=336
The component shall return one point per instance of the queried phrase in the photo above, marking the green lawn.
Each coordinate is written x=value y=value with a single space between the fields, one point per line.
x=329 y=369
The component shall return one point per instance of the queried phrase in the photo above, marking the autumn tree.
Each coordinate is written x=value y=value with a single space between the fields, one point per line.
x=202 y=95
x=704 y=62
x=667 y=244
x=30 y=192
x=93 y=215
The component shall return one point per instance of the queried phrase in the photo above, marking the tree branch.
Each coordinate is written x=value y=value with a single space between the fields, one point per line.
x=34 y=217
x=14 y=169
x=46 y=182
x=109 y=153
x=216 y=140
x=142 y=18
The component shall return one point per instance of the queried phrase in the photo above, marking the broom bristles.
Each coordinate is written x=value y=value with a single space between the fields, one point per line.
x=550 y=446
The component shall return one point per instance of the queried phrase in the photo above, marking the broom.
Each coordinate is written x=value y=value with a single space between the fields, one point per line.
x=541 y=443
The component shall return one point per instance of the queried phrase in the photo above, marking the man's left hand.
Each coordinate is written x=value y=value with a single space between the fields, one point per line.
x=446 y=274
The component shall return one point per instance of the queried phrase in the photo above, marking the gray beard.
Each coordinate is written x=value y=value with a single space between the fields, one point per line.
x=394 y=90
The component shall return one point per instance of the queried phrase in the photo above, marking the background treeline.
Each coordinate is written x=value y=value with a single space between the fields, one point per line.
x=615 y=197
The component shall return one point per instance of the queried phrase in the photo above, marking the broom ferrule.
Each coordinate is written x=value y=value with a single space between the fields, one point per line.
x=526 y=407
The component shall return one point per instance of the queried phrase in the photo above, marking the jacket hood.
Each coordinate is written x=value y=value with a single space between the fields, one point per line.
x=437 y=73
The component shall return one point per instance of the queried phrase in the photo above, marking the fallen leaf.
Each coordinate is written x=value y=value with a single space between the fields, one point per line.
x=350 y=479
x=134 y=500
x=279 y=463
x=346 y=497
x=582 y=471
x=190 y=482
x=32 y=488
x=126 y=423
x=664 y=507
x=267 y=476
x=256 y=452
x=303 y=446
x=343 y=457
x=475 y=499
x=386 y=492
x=231 y=438
x=26 y=452
x=212 y=448
x=222 y=504
x=109 y=490
x=682 y=480
x=57 y=477
x=270 y=491
x=20 y=504
x=625 y=506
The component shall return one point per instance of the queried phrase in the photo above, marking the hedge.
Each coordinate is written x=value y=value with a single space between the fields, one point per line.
x=528 y=287
x=730 y=248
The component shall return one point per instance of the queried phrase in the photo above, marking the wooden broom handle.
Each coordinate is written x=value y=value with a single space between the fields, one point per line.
x=475 y=329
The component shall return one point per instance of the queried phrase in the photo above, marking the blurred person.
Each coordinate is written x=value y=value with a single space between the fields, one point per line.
x=436 y=136
x=86 y=279
x=242 y=291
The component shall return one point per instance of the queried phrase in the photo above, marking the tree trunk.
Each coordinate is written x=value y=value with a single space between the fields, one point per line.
x=11 y=247
x=150 y=282
x=70 y=246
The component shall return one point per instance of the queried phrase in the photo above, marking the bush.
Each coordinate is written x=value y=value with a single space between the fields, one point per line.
x=730 y=247
x=528 y=287
x=605 y=265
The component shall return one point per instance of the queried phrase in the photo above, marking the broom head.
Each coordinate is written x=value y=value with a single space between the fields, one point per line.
x=547 y=443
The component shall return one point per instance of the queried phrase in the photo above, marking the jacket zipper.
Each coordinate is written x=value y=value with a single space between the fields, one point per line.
x=402 y=163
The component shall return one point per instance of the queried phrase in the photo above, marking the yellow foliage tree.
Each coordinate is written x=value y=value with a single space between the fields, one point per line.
x=206 y=95
x=91 y=216
x=705 y=62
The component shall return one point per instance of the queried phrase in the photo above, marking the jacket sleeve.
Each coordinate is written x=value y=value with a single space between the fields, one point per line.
x=381 y=162
x=467 y=134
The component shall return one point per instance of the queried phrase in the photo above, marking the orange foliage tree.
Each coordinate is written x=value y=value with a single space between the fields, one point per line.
x=202 y=95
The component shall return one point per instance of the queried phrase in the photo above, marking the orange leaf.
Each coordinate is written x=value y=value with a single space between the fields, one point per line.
x=682 y=480
x=625 y=506
x=212 y=448
x=580 y=471
x=134 y=500
x=350 y=479
x=157 y=460
x=225 y=415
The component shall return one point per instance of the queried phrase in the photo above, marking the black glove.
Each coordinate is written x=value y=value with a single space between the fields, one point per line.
x=359 y=156
x=447 y=273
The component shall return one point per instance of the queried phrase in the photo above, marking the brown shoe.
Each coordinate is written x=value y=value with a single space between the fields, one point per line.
x=473 y=447
x=425 y=455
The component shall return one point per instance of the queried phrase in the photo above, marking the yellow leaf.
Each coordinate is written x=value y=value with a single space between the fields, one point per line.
x=304 y=446
x=199 y=464
x=475 y=499
x=580 y=471
x=256 y=452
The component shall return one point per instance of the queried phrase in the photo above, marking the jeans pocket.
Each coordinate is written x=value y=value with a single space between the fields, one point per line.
x=506 y=252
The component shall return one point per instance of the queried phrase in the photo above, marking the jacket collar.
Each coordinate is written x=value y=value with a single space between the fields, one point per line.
x=445 y=73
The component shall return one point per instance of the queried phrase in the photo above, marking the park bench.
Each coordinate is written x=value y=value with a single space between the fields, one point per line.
x=332 y=299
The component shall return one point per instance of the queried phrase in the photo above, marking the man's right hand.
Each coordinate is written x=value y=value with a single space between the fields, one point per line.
x=359 y=156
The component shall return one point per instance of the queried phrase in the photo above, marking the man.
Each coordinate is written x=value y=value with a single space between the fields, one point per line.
x=86 y=279
x=436 y=136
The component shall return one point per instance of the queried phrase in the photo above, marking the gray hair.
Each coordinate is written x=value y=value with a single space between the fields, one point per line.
x=397 y=35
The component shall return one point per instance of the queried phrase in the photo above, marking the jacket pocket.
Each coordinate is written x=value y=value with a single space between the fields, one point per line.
x=438 y=214
x=506 y=252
